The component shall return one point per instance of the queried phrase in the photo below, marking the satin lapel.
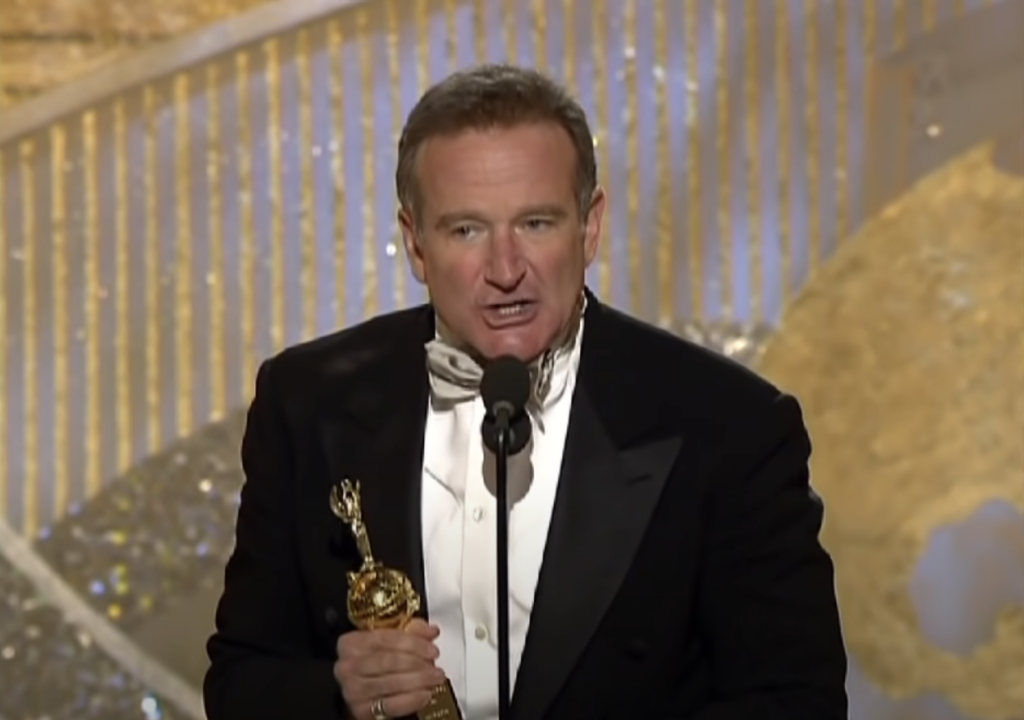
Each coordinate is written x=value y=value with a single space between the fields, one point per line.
x=608 y=490
x=375 y=435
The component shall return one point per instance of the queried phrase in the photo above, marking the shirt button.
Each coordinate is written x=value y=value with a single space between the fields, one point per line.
x=478 y=513
x=480 y=633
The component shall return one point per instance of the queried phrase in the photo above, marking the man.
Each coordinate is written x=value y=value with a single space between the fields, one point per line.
x=664 y=555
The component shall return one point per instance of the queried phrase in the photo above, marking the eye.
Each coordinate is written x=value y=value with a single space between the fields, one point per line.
x=464 y=232
x=537 y=224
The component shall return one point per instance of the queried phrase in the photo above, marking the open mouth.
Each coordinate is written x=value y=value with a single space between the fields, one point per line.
x=511 y=309
x=510 y=314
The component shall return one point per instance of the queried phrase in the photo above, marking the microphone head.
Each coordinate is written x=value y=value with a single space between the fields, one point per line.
x=505 y=386
x=518 y=433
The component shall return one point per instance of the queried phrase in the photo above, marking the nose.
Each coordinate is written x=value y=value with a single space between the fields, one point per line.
x=505 y=266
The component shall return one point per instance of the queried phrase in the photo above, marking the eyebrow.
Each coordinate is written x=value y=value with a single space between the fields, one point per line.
x=454 y=218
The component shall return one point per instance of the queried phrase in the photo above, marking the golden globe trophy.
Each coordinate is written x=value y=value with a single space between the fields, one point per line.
x=380 y=597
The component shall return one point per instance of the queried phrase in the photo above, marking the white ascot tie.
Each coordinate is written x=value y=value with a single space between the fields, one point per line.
x=455 y=376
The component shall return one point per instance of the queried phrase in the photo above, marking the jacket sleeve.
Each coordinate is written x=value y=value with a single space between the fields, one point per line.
x=767 y=602
x=262 y=664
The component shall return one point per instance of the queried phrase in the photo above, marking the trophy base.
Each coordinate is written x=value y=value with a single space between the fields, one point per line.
x=442 y=705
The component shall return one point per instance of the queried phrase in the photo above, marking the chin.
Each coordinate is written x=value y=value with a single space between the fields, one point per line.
x=526 y=342
x=499 y=347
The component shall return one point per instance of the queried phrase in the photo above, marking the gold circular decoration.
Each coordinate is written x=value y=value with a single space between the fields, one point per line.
x=907 y=352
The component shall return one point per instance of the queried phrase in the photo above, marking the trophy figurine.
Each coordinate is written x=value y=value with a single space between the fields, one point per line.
x=381 y=597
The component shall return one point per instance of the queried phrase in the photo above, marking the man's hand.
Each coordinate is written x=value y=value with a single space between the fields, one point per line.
x=393 y=666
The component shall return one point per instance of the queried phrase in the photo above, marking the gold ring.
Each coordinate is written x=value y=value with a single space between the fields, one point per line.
x=377 y=709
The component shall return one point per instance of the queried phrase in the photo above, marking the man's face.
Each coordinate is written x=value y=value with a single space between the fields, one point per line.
x=500 y=242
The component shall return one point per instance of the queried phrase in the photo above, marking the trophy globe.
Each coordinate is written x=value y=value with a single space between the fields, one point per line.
x=378 y=596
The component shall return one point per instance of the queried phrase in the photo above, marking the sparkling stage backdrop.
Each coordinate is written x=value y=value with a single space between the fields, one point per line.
x=828 y=190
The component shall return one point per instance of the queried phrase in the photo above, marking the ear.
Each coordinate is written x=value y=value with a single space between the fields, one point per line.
x=411 y=241
x=592 y=228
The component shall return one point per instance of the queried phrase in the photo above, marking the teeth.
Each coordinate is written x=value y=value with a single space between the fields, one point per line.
x=513 y=309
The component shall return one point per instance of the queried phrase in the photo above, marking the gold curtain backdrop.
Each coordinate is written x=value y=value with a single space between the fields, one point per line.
x=256 y=216
x=829 y=191
x=48 y=43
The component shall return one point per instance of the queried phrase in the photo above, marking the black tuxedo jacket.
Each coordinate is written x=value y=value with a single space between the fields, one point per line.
x=682 y=576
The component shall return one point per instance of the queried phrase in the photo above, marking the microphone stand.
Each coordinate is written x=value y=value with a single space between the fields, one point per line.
x=501 y=490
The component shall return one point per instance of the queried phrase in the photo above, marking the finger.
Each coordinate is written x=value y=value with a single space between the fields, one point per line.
x=401 y=641
x=397 y=706
x=372 y=642
x=389 y=663
x=421 y=628
x=358 y=689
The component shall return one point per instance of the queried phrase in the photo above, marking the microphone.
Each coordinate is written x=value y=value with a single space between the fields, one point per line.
x=504 y=389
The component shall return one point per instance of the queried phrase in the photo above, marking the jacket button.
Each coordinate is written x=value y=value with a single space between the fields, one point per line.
x=331 y=616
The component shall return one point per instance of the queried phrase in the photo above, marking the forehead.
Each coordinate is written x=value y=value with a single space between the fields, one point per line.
x=520 y=165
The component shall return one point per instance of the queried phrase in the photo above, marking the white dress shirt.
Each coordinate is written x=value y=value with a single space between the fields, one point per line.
x=459 y=526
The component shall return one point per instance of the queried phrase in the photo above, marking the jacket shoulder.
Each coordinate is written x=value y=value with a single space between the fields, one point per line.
x=347 y=351
x=689 y=372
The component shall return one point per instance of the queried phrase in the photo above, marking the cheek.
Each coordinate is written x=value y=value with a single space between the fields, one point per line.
x=560 y=261
x=451 y=276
